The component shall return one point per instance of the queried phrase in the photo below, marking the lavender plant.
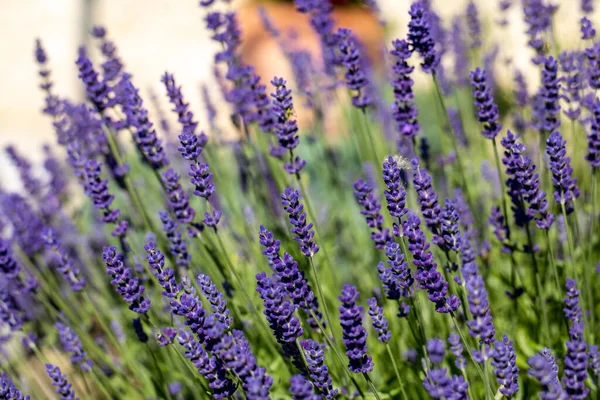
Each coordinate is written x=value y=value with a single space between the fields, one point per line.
x=114 y=286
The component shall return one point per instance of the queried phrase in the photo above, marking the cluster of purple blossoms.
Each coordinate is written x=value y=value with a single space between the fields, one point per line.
x=178 y=199
x=426 y=196
x=112 y=66
x=97 y=189
x=53 y=103
x=593 y=70
x=538 y=18
x=487 y=110
x=576 y=358
x=354 y=335
x=395 y=194
x=215 y=298
x=473 y=25
x=201 y=178
x=456 y=348
x=302 y=389
x=542 y=367
x=449 y=237
x=440 y=385
x=481 y=326
x=587 y=29
x=8 y=390
x=356 y=79
x=64 y=263
x=436 y=350
x=380 y=322
x=404 y=109
x=420 y=36
x=178 y=245
x=97 y=91
x=125 y=283
x=142 y=129
x=397 y=279
x=165 y=276
x=27 y=225
x=189 y=306
x=587 y=6
x=504 y=362
x=571 y=63
x=212 y=369
x=512 y=183
x=530 y=191
x=565 y=186
x=549 y=96
x=363 y=192
x=303 y=232
x=280 y=315
x=31 y=184
x=72 y=344
x=318 y=370
x=285 y=128
x=8 y=264
x=593 y=139
x=59 y=381
x=427 y=275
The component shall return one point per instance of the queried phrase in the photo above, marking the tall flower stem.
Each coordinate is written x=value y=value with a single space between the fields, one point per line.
x=553 y=262
x=569 y=241
x=371 y=385
x=337 y=354
x=452 y=135
x=499 y=169
x=133 y=194
x=369 y=135
x=321 y=296
x=396 y=371
x=538 y=284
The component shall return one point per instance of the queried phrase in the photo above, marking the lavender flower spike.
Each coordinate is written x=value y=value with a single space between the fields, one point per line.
x=504 y=362
x=125 y=283
x=97 y=189
x=404 y=109
x=543 y=368
x=456 y=348
x=218 y=304
x=64 y=263
x=63 y=387
x=487 y=110
x=165 y=276
x=303 y=232
x=593 y=139
x=576 y=358
x=97 y=91
x=550 y=95
x=565 y=186
x=380 y=322
x=178 y=200
x=354 y=335
x=420 y=36
x=72 y=344
x=356 y=80
x=395 y=194
x=482 y=324
x=178 y=245
x=8 y=390
x=426 y=197
x=302 y=389
x=363 y=193
x=319 y=372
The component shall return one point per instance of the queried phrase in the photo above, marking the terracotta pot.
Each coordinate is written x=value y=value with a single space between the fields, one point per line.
x=261 y=50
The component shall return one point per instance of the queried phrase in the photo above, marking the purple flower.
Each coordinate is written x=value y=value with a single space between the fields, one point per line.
x=11 y=312
x=302 y=389
x=318 y=370
x=572 y=68
x=178 y=245
x=271 y=245
x=8 y=264
x=8 y=390
x=420 y=36
x=449 y=232
x=27 y=225
x=456 y=348
x=303 y=232
x=363 y=193
x=427 y=275
x=565 y=186
x=189 y=306
x=576 y=358
x=165 y=276
x=138 y=121
x=473 y=25
x=587 y=6
x=356 y=79
x=426 y=197
x=395 y=194
x=538 y=18
x=550 y=94
x=593 y=71
x=64 y=264
x=397 y=279
x=441 y=386
x=31 y=184
x=285 y=128
x=594 y=357
x=217 y=302
x=97 y=189
x=178 y=199
x=280 y=315
x=543 y=368
x=59 y=381
x=436 y=350
x=96 y=90
x=125 y=283
x=209 y=366
x=138 y=329
x=112 y=66
x=504 y=362
x=53 y=104
x=487 y=110
x=404 y=109
x=593 y=155
x=354 y=335
x=461 y=57
x=530 y=191
x=181 y=108
x=587 y=29
x=481 y=326
x=71 y=343
x=380 y=322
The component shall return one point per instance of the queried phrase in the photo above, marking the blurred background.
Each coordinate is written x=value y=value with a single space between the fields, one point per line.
x=157 y=35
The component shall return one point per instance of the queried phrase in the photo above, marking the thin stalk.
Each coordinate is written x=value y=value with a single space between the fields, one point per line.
x=85 y=383
x=337 y=354
x=499 y=169
x=159 y=370
x=371 y=385
x=588 y=284
x=488 y=388
x=569 y=240
x=321 y=295
x=105 y=328
x=396 y=371
x=552 y=262
x=369 y=135
x=100 y=385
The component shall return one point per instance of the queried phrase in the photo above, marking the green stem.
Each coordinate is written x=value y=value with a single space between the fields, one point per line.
x=377 y=161
x=100 y=385
x=321 y=295
x=588 y=285
x=552 y=261
x=396 y=371
x=371 y=385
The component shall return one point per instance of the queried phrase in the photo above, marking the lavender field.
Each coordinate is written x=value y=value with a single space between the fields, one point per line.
x=443 y=242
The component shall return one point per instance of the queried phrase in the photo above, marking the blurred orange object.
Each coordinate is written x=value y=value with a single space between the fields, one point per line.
x=262 y=51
